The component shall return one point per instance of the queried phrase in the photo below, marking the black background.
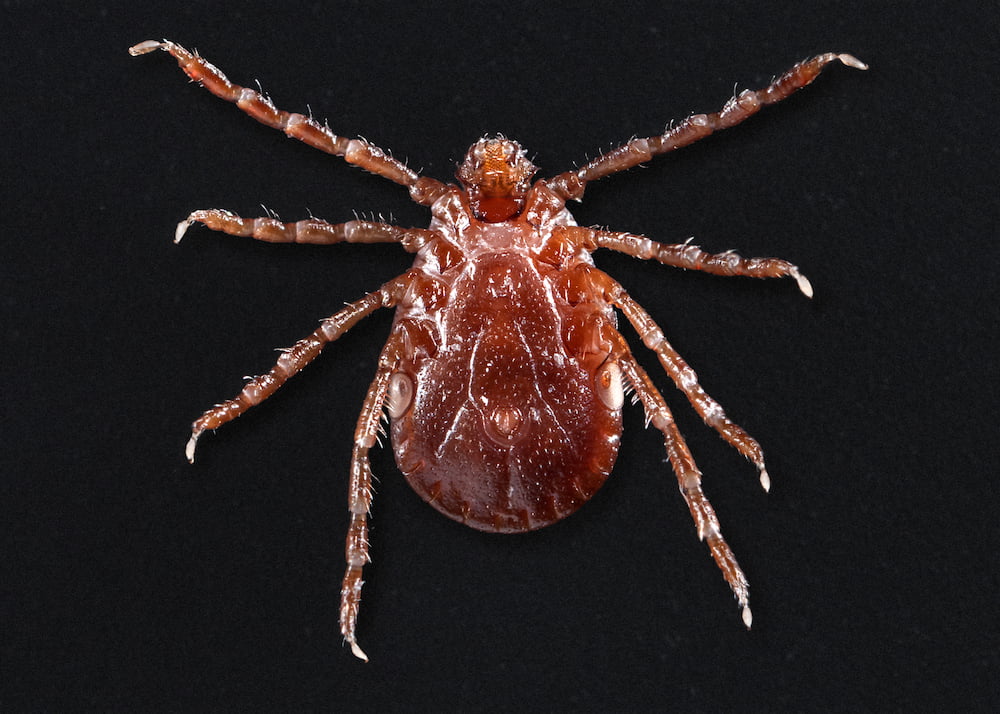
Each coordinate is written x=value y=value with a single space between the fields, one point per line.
x=137 y=581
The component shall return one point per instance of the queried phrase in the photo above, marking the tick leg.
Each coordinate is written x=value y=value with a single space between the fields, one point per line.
x=572 y=183
x=691 y=257
x=298 y=126
x=294 y=359
x=310 y=230
x=687 y=381
x=689 y=478
x=360 y=490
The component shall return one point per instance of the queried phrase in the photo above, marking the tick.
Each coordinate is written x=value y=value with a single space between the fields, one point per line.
x=504 y=375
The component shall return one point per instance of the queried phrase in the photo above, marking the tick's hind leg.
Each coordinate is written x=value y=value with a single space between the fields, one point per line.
x=689 y=478
x=310 y=230
x=360 y=491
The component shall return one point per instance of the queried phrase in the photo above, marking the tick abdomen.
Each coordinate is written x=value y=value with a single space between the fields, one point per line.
x=506 y=432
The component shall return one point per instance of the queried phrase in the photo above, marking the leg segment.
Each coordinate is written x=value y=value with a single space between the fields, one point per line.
x=572 y=183
x=687 y=381
x=689 y=478
x=691 y=257
x=360 y=491
x=294 y=359
x=355 y=151
x=311 y=230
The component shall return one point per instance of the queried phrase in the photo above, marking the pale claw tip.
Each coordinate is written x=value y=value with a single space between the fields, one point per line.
x=804 y=285
x=852 y=61
x=181 y=229
x=747 y=616
x=358 y=652
x=144 y=47
x=192 y=442
x=765 y=480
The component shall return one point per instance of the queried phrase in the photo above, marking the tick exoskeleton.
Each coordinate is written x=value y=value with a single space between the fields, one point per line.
x=504 y=374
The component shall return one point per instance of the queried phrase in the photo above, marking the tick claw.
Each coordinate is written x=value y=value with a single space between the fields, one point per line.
x=358 y=652
x=852 y=61
x=144 y=47
x=192 y=442
x=747 y=616
x=804 y=285
x=182 y=229
x=765 y=480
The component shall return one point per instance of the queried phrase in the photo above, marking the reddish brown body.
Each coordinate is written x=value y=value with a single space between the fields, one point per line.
x=506 y=431
x=504 y=374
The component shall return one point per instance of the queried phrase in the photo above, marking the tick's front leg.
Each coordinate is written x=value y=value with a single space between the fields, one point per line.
x=298 y=126
x=571 y=184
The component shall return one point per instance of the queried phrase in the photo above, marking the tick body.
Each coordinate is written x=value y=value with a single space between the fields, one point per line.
x=504 y=373
x=509 y=427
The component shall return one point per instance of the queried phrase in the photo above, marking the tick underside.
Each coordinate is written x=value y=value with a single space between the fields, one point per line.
x=504 y=374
